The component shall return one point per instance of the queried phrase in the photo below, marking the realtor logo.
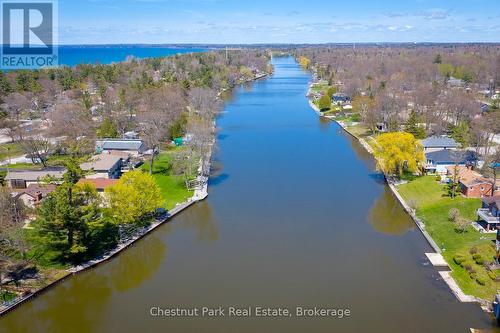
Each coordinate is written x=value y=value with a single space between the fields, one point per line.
x=28 y=34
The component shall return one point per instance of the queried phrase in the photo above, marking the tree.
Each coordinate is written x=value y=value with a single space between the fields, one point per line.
x=461 y=133
x=491 y=169
x=325 y=103
x=438 y=59
x=158 y=110
x=107 y=129
x=133 y=198
x=460 y=222
x=304 y=62
x=397 y=152
x=412 y=126
x=37 y=147
x=68 y=221
x=454 y=183
x=365 y=105
x=331 y=91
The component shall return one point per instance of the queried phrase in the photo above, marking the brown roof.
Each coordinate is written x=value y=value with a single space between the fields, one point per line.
x=35 y=190
x=467 y=176
x=99 y=183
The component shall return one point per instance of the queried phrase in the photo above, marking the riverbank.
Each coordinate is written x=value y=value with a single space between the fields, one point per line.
x=446 y=275
x=200 y=193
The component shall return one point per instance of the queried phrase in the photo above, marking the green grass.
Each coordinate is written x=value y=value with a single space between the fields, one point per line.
x=432 y=207
x=172 y=186
x=317 y=87
x=10 y=150
x=29 y=166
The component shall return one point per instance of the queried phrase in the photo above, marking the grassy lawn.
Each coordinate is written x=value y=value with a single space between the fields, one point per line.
x=29 y=166
x=432 y=205
x=172 y=186
x=319 y=87
x=9 y=150
x=359 y=130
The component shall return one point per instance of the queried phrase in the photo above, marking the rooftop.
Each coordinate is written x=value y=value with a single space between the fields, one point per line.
x=34 y=190
x=34 y=175
x=452 y=156
x=99 y=183
x=467 y=176
x=101 y=162
x=439 y=142
x=120 y=144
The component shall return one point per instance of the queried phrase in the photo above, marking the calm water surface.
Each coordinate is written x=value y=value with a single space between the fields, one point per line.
x=296 y=217
x=73 y=55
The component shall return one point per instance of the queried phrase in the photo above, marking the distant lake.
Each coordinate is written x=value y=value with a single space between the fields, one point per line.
x=74 y=55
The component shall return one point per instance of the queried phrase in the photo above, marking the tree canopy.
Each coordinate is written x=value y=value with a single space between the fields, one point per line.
x=135 y=197
x=398 y=152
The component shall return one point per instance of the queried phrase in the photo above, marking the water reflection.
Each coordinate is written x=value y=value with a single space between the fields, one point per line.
x=324 y=124
x=202 y=221
x=139 y=265
x=387 y=217
x=77 y=305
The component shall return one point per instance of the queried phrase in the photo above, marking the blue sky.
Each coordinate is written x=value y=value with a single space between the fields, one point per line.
x=277 y=21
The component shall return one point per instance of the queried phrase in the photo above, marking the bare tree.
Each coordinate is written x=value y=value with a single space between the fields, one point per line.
x=37 y=147
x=158 y=109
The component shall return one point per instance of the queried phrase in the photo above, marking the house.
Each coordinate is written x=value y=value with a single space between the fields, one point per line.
x=434 y=143
x=33 y=195
x=489 y=213
x=104 y=165
x=100 y=183
x=131 y=135
x=439 y=160
x=132 y=146
x=472 y=183
x=339 y=98
x=23 y=179
x=454 y=82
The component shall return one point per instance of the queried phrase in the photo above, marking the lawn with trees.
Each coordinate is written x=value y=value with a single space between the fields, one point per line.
x=440 y=214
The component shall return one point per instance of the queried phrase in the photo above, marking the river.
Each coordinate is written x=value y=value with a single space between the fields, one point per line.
x=296 y=216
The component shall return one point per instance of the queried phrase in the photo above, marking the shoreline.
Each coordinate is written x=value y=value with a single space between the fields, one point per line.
x=200 y=194
x=446 y=274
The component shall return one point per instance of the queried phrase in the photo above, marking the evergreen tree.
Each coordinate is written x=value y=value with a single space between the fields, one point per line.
x=107 y=129
x=412 y=127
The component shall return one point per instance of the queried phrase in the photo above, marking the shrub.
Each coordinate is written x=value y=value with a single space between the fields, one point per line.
x=468 y=267
x=458 y=259
x=438 y=178
x=356 y=117
x=453 y=214
x=492 y=275
x=480 y=261
x=481 y=280
x=476 y=256
x=473 y=250
x=473 y=276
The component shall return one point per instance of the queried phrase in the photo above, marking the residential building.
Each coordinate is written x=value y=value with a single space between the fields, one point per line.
x=339 y=98
x=435 y=143
x=437 y=161
x=132 y=146
x=100 y=183
x=489 y=213
x=104 y=165
x=472 y=183
x=33 y=195
x=23 y=179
